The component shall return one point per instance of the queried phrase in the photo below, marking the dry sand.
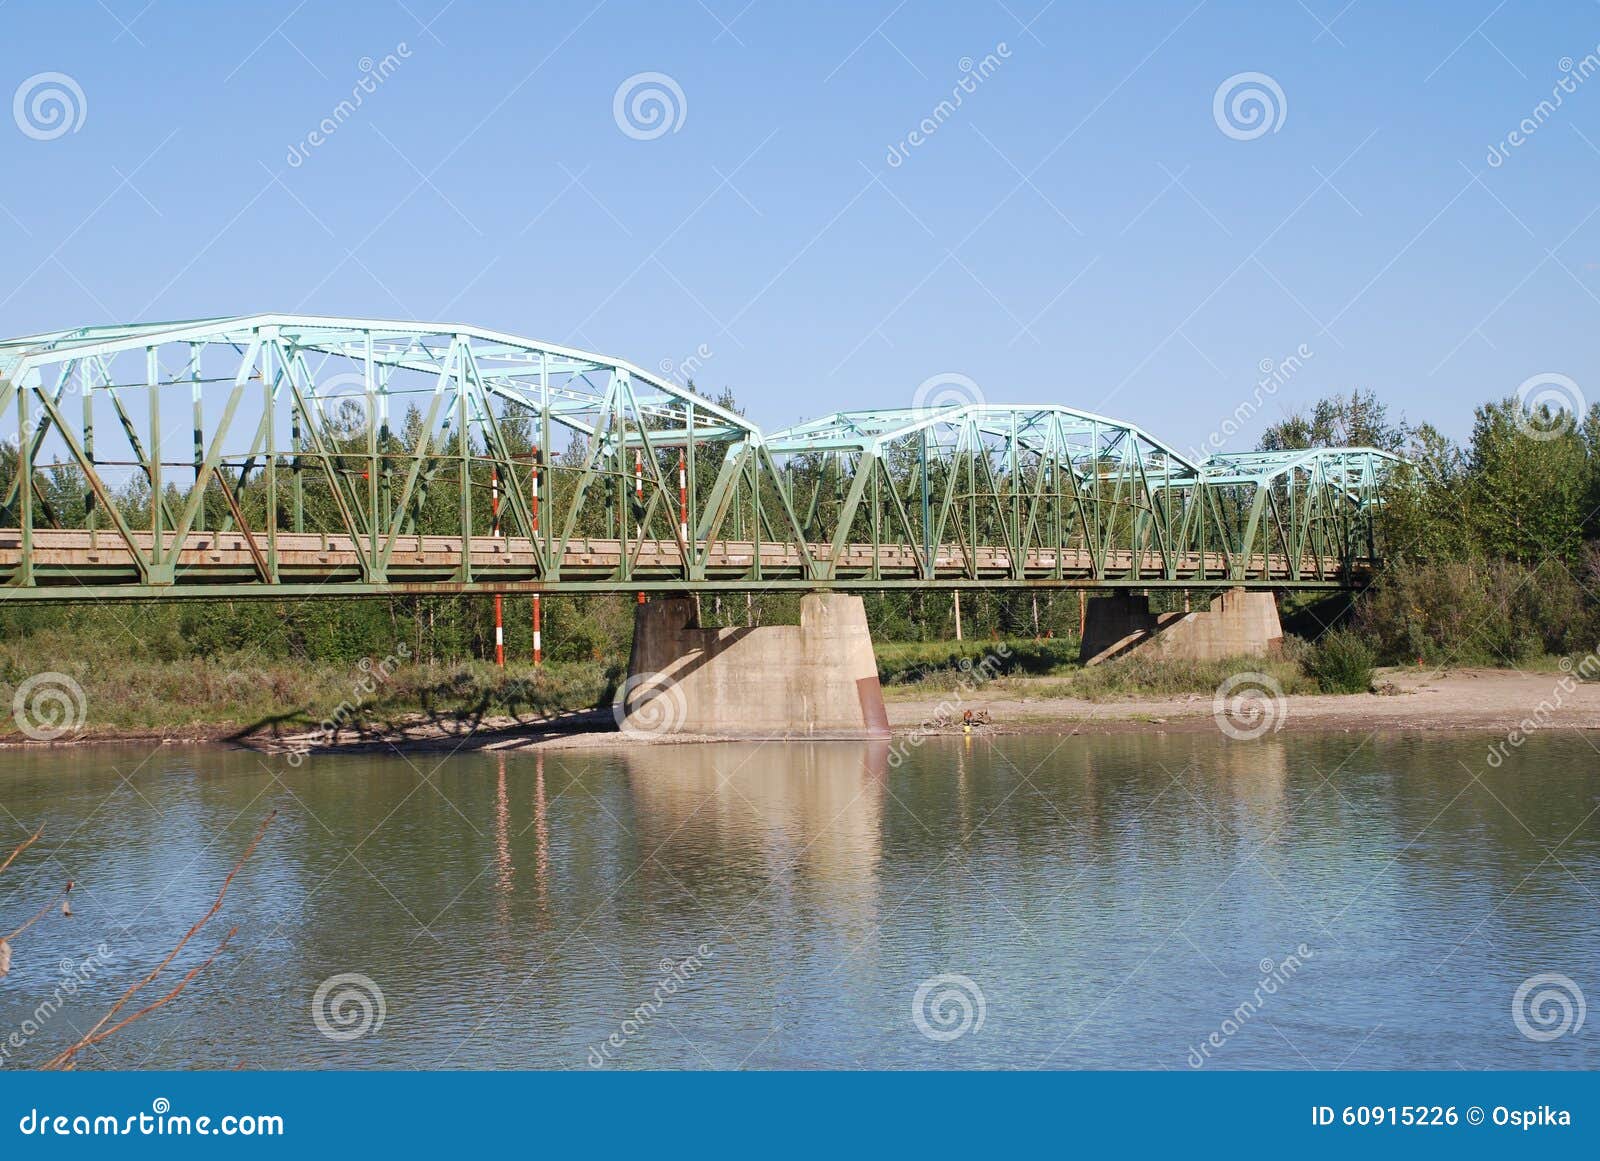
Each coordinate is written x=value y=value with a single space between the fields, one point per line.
x=1489 y=700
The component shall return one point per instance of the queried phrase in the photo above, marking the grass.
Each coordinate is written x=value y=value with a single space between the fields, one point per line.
x=221 y=695
x=902 y=662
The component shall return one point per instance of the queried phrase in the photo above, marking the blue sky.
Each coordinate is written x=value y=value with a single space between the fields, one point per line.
x=1081 y=230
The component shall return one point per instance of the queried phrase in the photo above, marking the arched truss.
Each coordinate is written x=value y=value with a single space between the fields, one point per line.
x=289 y=455
x=312 y=454
x=1028 y=494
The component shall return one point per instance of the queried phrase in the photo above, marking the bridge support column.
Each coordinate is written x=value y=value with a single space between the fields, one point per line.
x=1239 y=623
x=817 y=679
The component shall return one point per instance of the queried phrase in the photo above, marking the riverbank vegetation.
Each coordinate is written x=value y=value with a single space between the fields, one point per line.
x=1491 y=548
x=132 y=685
x=1134 y=676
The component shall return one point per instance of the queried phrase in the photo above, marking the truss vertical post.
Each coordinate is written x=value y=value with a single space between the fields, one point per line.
x=157 y=495
x=691 y=561
x=269 y=392
x=373 y=424
x=91 y=514
x=199 y=423
x=464 y=459
x=18 y=389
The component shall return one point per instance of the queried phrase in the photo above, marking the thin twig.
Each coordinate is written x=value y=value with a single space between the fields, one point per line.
x=12 y=857
x=95 y=1038
x=91 y=1035
x=38 y=916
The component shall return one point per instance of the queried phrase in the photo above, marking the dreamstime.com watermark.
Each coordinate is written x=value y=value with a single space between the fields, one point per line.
x=973 y=74
x=374 y=676
x=682 y=372
x=1275 y=975
x=1549 y=405
x=650 y=705
x=38 y=414
x=345 y=405
x=48 y=706
x=675 y=974
x=160 y=1121
x=73 y=977
x=1274 y=374
x=373 y=75
x=945 y=390
x=1548 y=1006
x=1249 y=105
x=1573 y=674
x=649 y=105
x=1249 y=705
x=348 y=1006
x=974 y=675
x=49 y=105
x=1573 y=74
x=948 y=1006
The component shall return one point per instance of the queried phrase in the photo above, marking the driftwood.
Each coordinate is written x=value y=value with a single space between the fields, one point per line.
x=950 y=719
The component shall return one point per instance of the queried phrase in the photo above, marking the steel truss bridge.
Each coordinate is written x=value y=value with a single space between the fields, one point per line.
x=284 y=455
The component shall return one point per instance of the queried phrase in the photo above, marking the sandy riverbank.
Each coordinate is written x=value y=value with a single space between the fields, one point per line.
x=1486 y=700
x=1489 y=700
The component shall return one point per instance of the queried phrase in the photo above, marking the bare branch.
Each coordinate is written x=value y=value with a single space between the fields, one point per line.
x=65 y=1058
x=93 y=1036
x=12 y=857
x=40 y=914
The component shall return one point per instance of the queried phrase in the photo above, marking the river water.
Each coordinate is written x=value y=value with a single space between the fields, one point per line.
x=1134 y=901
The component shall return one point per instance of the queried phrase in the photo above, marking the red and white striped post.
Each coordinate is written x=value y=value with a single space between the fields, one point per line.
x=538 y=646
x=499 y=601
x=683 y=503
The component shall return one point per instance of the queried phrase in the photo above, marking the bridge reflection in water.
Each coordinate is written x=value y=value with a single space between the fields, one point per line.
x=725 y=826
x=1110 y=896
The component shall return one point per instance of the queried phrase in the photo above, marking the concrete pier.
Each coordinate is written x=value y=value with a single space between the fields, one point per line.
x=817 y=679
x=1238 y=624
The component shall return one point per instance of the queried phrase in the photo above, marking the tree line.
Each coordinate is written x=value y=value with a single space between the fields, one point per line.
x=1491 y=546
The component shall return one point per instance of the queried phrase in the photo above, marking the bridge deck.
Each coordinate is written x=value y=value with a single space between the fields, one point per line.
x=68 y=562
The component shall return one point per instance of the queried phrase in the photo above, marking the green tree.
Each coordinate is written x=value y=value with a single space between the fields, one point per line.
x=1526 y=493
x=1359 y=419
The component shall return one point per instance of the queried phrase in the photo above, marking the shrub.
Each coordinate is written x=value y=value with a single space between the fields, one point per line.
x=907 y=661
x=1474 y=612
x=1341 y=662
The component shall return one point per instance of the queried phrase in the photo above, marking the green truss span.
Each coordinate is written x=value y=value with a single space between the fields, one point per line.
x=284 y=455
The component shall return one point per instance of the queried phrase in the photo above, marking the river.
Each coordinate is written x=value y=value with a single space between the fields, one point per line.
x=1138 y=901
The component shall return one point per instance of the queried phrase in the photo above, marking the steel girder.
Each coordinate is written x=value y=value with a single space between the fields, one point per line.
x=389 y=443
x=1068 y=494
x=273 y=455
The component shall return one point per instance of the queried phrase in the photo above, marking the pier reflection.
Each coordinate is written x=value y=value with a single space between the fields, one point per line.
x=799 y=825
